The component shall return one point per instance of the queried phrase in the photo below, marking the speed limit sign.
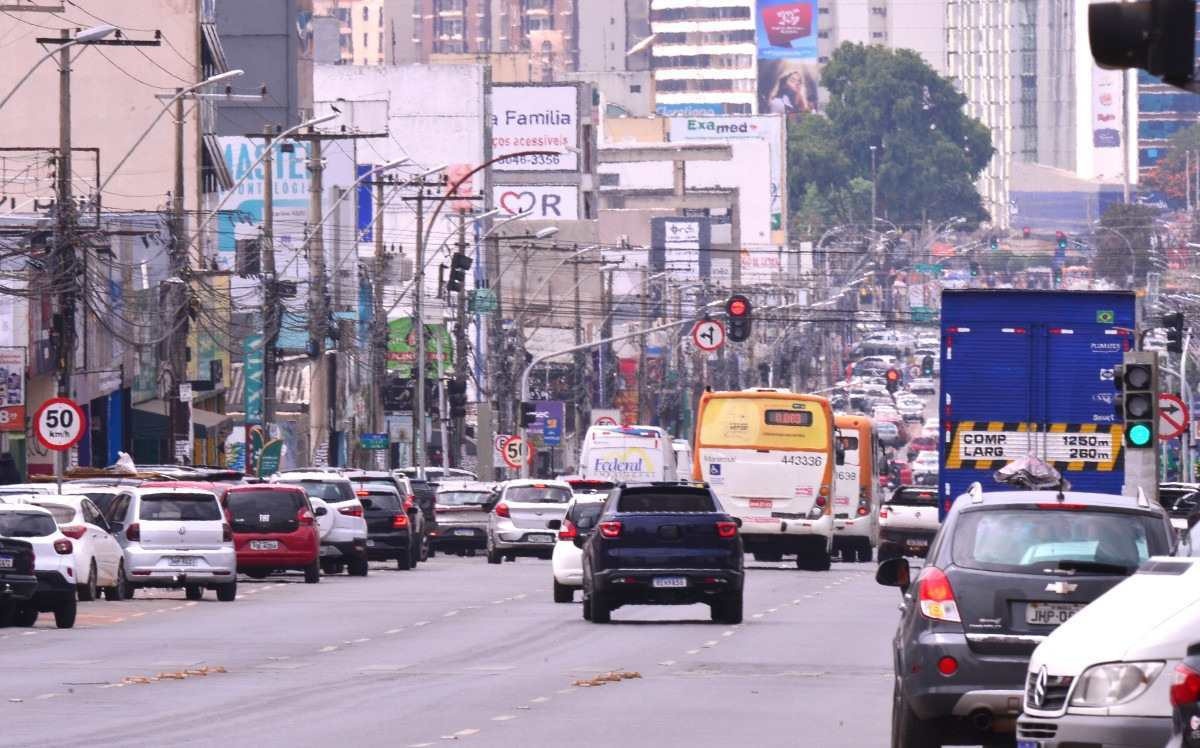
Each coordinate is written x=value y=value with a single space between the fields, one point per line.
x=59 y=424
x=515 y=452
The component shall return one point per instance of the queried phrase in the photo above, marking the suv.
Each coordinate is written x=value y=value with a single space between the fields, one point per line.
x=522 y=519
x=345 y=545
x=908 y=521
x=175 y=537
x=274 y=528
x=416 y=517
x=663 y=544
x=17 y=580
x=390 y=534
x=424 y=494
x=1003 y=572
x=53 y=567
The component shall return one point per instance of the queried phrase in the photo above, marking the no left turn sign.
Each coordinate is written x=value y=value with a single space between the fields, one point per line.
x=59 y=424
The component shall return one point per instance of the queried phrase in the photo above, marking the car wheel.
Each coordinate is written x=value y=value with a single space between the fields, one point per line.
x=404 y=561
x=193 y=592
x=426 y=551
x=909 y=730
x=728 y=610
x=257 y=573
x=64 y=612
x=312 y=573
x=601 y=613
x=25 y=616
x=587 y=606
x=227 y=593
x=328 y=567
x=87 y=591
x=511 y=558
x=120 y=590
x=358 y=567
x=814 y=562
x=563 y=593
x=864 y=551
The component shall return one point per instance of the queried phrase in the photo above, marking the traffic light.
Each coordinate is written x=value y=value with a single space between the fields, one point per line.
x=456 y=390
x=1136 y=402
x=994 y=243
x=893 y=379
x=975 y=269
x=431 y=396
x=927 y=366
x=1158 y=36
x=1061 y=239
x=739 y=311
x=1056 y=272
x=1174 y=324
x=459 y=265
x=528 y=415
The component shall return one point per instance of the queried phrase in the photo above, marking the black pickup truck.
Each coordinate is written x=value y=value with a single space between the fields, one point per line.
x=663 y=544
x=17 y=581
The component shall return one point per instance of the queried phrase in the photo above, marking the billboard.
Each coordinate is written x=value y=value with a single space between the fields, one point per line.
x=539 y=118
x=788 y=72
x=689 y=110
x=679 y=247
x=402 y=347
x=547 y=427
x=1107 y=124
x=12 y=389
x=241 y=217
x=548 y=202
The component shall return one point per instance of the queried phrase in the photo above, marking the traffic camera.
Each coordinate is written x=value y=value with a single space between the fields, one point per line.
x=457 y=394
x=1137 y=402
x=739 y=311
x=1174 y=324
x=1158 y=36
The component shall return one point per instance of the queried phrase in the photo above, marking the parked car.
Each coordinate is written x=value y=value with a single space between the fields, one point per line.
x=1105 y=676
x=663 y=544
x=1181 y=500
x=18 y=583
x=519 y=522
x=175 y=537
x=908 y=522
x=96 y=552
x=54 y=563
x=275 y=528
x=463 y=516
x=25 y=489
x=345 y=545
x=102 y=496
x=1003 y=572
x=1185 y=701
x=574 y=530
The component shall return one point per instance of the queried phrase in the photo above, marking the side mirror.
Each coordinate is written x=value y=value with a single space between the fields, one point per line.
x=554 y=524
x=581 y=538
x=320 y=511
x=893 y=573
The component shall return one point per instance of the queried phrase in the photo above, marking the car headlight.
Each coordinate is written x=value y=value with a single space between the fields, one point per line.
x=1114 y=683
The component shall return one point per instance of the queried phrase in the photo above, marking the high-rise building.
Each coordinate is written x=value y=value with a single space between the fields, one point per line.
x=704 y=56
x=1162 y=111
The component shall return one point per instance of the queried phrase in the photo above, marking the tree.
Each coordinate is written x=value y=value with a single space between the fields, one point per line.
x=928 y=153
x=1125 y=242
x=1168 y=176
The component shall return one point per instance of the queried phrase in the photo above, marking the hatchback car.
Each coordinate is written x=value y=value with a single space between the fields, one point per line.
x=54 y=563
x=519 y=523
x=462 y=510
x=1003 y=572
x=574 y=530
x=344 y=546
x=275 y=529
x=175 y=537
x=390 y=532
x=98 y=556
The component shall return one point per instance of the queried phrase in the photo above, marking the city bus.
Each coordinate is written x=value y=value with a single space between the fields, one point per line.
x=769 y=456
x=856 y=488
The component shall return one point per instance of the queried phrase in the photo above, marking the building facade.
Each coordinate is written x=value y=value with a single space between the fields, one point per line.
x=704 y=56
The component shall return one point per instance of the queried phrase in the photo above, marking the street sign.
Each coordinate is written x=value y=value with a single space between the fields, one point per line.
x=1172 y=416
x=708 y=335
x=922 y=313
x=373 y=441
x=606 y=417
x=482 y=301
x=185 y=392
x=59 y=424
x=515 y=451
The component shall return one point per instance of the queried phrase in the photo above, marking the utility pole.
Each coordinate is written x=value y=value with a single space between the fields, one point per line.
x=581 y=383
x=643 y=380
x=271 y=301
x=318 y=314
x=453 y=458
x=418 y=325
x=65 y=240
x=180 y=412
x=379 y=323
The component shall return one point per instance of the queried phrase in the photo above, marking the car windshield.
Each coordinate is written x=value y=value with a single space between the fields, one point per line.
x=335 y=491
x=665 y=501
x=1038 y=539
x=584 y=515
x=183 y=507
x=249 y=506
x=61 y=512
x=913 y=497
x=463 y=498
x=538 y=494
x=26 y=524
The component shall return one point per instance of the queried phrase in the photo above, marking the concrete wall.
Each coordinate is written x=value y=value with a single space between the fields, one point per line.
x=261 y=38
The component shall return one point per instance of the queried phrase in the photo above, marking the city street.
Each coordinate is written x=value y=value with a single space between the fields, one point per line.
x=458 y=650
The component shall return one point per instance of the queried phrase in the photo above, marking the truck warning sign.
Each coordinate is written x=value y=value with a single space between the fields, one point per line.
x=1073 y=447
x=993 y=445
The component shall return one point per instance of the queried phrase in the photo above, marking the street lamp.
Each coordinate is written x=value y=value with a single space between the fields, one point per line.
x=873 y=189
x=87 y=35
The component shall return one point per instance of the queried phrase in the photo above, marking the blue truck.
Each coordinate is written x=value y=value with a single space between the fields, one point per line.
x=1031 y=372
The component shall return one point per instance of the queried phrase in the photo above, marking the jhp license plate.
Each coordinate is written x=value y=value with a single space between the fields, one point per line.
x=6 y=562
x=464 y=532
x=662 y=582
x=264 y=545
x=540 y=538
x=183 y=561
x=1028 y=744
x=917 y=543
x=1050 y=614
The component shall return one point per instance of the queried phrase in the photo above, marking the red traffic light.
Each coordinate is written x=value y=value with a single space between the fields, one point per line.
x=737 y=307
x=893 y=375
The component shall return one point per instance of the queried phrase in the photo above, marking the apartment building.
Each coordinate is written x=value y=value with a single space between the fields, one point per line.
x=704 y=56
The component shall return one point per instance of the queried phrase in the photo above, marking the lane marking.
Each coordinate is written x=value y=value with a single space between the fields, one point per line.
x=449 y=613
x=504 y=717
x=186 y=605
x=757 y=615
x=667 y=663
x=393 y=631
x=421 y=623
x=360 y=641
x=539 y=700
x=693 y=651
x=709 y=644
x=730 y=632
x=45 y=696
x=568 y=689
x=330 y=648
x=467 y=732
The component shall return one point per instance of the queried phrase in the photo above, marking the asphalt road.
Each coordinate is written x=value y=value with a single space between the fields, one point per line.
x=457 y=650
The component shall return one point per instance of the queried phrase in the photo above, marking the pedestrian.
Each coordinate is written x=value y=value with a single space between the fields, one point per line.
x=8 y=469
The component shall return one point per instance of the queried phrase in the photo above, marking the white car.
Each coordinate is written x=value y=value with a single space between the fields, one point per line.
x=1104 y=676
x=54 y=563
x=99 y=560
x=345 y=545
x=911 y=409
x=925 y=468
x=175 y=537
x=520 y=521
x=922 y=386
x=567 y=561
x=25 y=489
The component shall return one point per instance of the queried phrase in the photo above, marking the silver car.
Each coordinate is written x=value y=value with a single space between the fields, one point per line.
x=175 y=537
x=522 y=516
x=463 y=511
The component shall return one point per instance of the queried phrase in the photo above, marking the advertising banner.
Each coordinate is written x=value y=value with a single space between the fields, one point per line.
x=402 y=347
x=679 y=247
x=689 y=110
x=1106 y=123
x=253 y=378
x=548 y=202
x=547 y=427
x=241 y=218
x=538 y=118
x=787 y=56
x=12 y=389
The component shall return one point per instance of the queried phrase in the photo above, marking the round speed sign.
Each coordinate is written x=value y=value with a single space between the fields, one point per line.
x=59 y=424
x=515 y=452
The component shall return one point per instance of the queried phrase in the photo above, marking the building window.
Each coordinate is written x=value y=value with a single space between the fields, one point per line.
x=381 y=44
x=366 y=13
x=698 y=14
x=365 y=44
x=381 y=16
x=879 y=11
x=635 y=88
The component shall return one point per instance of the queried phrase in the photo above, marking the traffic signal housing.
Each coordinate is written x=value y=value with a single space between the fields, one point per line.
x=528 y=415
x=739 y=311
x=1158 y=36
x=398 y=394
x=456 y=390
x=1174 y=324
x=927 y=366
x=459 y=265
x=893 y=379
x=1136 y=403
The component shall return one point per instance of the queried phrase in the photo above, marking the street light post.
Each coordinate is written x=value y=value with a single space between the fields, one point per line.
x=874 y=191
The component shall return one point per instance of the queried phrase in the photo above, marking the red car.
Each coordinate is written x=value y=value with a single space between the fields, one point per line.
x=274 y=529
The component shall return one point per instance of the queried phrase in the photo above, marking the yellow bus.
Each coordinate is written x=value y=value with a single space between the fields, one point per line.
x=769 y=456
x=856 y=491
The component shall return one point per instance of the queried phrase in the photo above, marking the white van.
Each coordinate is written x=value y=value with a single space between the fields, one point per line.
x=627 y=454
x=683 y=458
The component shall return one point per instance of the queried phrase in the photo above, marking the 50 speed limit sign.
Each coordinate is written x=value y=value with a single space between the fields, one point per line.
x=59 y=424
x=515 y=452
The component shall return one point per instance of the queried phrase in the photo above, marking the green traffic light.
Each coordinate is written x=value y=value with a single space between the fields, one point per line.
x=1139 y=435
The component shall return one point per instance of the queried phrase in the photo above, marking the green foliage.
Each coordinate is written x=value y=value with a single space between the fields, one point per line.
x=1169 y=175
x=927 y=152
x=1126 y=234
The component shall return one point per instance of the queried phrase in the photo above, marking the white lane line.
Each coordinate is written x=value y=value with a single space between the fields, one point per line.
x=393 y=631
x=421 y=623
x=177 y=607
x=161 y=610
x=467 y=732
x=757 y=615
x=251 y=592
x=186 y=605
x=796 y=601
x=730 y=632
x=420 y=745
x=29 y=633
x=568 y=689
x=709 y=644
x=521 y=596
x=772 y=610
x=504 y=717
x=330 y=648
x=539 y=700
x=667 y=663
x=497 y=602
x=693 y=651
x=360 y=641
x=47 y=696
x=449 y=613
x=118 y=620
x=281 y=585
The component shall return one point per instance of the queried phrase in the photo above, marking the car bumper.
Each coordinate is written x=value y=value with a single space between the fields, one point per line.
x=353 y=549
x=990 y=684
x=1086 y=731
x=787 y=526
x=636 y=586
x=910 y=542
x=161 y=567
x=388 y=545
x=17 y=587
x=853 y=527
x=531 y=542
x=284 y=558
x=453 y=537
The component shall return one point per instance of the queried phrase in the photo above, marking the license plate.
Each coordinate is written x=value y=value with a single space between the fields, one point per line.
x=370 y=543
x=761 y=503
x=1050 y=614
x=540 y=538
x=464 y=532
x=183 y=561
x=667 y=582
x=1028 y=744
x=6 y=562
x=917 y=543
x=264 y=545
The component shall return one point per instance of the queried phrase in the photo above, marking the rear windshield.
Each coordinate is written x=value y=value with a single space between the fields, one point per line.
x=388 y=500
x=335 y=491
x=26 y=524
x=62 y=514
x=248 y=506
x=1038 y=539
x=1180 y=502
x=196 y=507
x=538 y=494
x=913 y=497
x=463 y=498
x=665 y=501
x=584 y=516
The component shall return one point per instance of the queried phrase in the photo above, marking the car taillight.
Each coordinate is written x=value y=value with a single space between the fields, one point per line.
x=863 y=510
x=304 y=516
x=936 y=596
x=226 y=533
x=1185 y=689
x=63 y=547
x=610 y=529
x=726 y=529
x=400 y=521
x=351 y=511
x=502 y=510
x=568 y=531
x=410 y=502
x=133 y=532
x=883 y=513
x=73 y=531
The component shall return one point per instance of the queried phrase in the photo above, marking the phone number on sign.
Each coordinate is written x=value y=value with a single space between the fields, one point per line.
x=551 y=160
